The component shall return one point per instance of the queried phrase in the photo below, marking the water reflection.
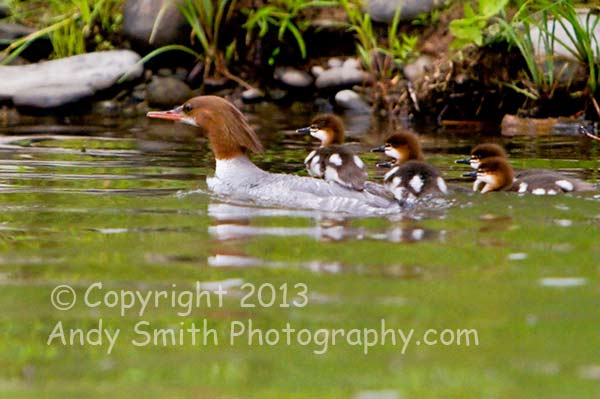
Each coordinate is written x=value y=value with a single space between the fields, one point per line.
x=234 y=222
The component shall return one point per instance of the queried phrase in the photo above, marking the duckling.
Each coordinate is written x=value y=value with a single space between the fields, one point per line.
x=496 y=174
x=402 y=147
x=482 y=151
x=332 y=161
x=410 y=178
x=488 y=150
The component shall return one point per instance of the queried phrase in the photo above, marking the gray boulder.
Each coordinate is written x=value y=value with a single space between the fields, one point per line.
x=167 y=91
x=351 y=100
x=293 y=78
x=67 y=80
x=384 y=10
x=346 y=74
x=139 y=17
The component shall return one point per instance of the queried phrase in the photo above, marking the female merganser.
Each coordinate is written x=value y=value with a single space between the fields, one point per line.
x=410 y=178
x=231 y=139
x=539 y=178
x=496 y=174
x=333 y=161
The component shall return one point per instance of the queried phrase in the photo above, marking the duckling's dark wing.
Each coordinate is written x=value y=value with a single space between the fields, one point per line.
x=537 y=172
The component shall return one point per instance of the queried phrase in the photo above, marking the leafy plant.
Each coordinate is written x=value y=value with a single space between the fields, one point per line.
x=544 y=75
x=73 y=26
x=284 y=16
x=382 y=57
x=471 y=27
x=580 y=42
x=208 y=21
x=398 y=48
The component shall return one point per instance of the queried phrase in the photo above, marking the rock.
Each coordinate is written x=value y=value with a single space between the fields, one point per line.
x=59 y=82
x=4 y=9
x=417 y=69
x=351 y=63
x=52 y=96
x=106 y=108
x=334 y=63
x=164 y=72
x=351 y=100
x=293 y=78
x=317 y=70
x=167 y=91
x=385 y=10
x=341 y=77
x=181 y=73
x=562 y=36
x=139 y=17
x=14 y=31
x=252 y=96
x=36 y=50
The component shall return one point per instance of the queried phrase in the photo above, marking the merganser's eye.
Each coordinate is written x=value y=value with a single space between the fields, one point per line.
x=187 y=108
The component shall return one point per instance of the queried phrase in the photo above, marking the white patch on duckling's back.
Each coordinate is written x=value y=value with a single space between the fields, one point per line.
x=331 y=174
x=359 y=162
x=565 y=185
x=390 y=173
x=315 y=167
x=416 y=183
x=538 y=191
x=309 y=157
x=336 y=160
x=442 y=185
x=523 y=187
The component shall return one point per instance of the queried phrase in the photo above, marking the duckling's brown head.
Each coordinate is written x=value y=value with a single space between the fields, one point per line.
x=326 y=127
x=229 y=133
x=483 y=151
x=403 y=147
x=494 y=174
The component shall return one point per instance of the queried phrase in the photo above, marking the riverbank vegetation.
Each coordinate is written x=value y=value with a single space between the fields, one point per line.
x=524 y=56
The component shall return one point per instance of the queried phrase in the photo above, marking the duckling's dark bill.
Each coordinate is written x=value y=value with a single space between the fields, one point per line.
x=173 y=115
x=470 y=174
x=303 y=130
x=378 y=149
x=384 y=164
x=466 y=161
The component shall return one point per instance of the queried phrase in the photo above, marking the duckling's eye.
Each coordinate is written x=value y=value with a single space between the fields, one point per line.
x=187 y=108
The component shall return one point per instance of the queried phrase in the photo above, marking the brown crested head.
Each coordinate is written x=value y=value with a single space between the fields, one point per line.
x=328 y=128
x=496 y=173
x=488 y=150
x=404 y=146
x=229 y=133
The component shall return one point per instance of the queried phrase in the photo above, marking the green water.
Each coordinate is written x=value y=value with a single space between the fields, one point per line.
x=128 y=209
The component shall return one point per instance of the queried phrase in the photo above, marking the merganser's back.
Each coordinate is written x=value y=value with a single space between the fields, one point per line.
x=231 y=139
